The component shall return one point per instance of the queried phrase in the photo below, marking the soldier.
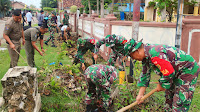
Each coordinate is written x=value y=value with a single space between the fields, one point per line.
x=13 y=32
x=83 y=45
x=31 y=36
x=116 y=43
x=178 y=71
x=66 y=19
x=99 y=79
x=51 y=25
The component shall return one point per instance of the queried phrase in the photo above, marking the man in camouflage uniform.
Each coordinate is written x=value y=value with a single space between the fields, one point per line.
x=52 y=25
x=66 y=19
x=13 y=32
x=83 y=45
x=178 y=71
x=116 y=43
x=99 y=79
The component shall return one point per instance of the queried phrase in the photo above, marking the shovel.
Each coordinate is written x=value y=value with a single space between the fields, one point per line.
x=21 y=56
x=135 y=103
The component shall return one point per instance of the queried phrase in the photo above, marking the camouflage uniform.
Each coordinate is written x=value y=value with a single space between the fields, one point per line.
x=100 y=78
x=178 y=71
x=83 y=44
x=116 y=43
x=66 y=19
x=51 y=22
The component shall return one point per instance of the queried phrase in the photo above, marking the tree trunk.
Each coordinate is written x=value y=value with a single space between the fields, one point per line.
x=121 y=2
x=98 y=7
x=111 y=11
x=163 y=15
x=102 y=8
x=90 y=11
x=129 y=15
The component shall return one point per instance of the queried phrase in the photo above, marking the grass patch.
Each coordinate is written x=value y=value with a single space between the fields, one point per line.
x=59 y=100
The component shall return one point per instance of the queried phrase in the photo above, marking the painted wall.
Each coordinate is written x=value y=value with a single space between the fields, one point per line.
x=150 y=32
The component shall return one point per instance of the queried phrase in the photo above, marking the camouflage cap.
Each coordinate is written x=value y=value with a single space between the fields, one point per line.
x=132 y=46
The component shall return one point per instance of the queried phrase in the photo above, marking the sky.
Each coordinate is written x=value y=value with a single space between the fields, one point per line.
x=29 y=2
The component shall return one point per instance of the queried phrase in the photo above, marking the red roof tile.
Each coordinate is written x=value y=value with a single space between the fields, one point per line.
x=69 y=3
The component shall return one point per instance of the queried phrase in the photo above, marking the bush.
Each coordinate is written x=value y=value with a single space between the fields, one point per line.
x=48 y=9
x=73 y=8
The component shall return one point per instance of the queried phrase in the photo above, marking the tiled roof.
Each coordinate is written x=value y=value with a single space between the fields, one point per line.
x=69 y=3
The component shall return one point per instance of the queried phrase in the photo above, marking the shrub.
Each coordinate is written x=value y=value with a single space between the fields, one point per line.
x=73 y=8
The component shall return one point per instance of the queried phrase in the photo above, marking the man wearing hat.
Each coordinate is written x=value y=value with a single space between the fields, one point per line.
x=66 y=19
x=116 y=43
x=99 y=79
x=13 y=32
x=52 y=26
x=178 y=72
x=83 y=45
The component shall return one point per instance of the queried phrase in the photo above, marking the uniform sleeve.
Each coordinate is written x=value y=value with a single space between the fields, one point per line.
x=79 y=52
x=145 y=75
x=165 y=68
x=8 y=28
x=98 y=45
x=33 y=36
x=93 y=48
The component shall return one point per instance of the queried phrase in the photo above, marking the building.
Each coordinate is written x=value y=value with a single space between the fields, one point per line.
x=19 y=5
x=66 y=4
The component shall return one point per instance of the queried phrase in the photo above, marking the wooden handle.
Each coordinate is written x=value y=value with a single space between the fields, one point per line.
x=135 y=103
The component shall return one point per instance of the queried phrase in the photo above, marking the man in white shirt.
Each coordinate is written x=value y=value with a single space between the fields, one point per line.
x=65 y=29
x=29 y=18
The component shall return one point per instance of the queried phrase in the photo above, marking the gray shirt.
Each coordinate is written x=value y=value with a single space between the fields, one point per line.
x=32 y=34
x=40 y=18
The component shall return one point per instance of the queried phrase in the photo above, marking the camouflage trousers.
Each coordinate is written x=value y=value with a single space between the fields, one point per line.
x=99 y=90
x=179 y=96
x=112 y=60
x=51 y=37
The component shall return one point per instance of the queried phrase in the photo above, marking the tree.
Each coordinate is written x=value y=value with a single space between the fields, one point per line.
x=102 y=8
x=49 y=3
x=112 y=7
x=97 y=7
x=5 y=5
x=90 y=11
x=93 y=4
x=170 y=5
x=32 y=6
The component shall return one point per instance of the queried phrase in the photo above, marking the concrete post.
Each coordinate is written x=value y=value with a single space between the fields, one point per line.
x=135 y=26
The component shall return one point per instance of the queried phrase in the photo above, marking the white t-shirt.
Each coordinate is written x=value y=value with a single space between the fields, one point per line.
x=58 y=23
x=64 y=27
x=29 y=16
x=58 y=18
